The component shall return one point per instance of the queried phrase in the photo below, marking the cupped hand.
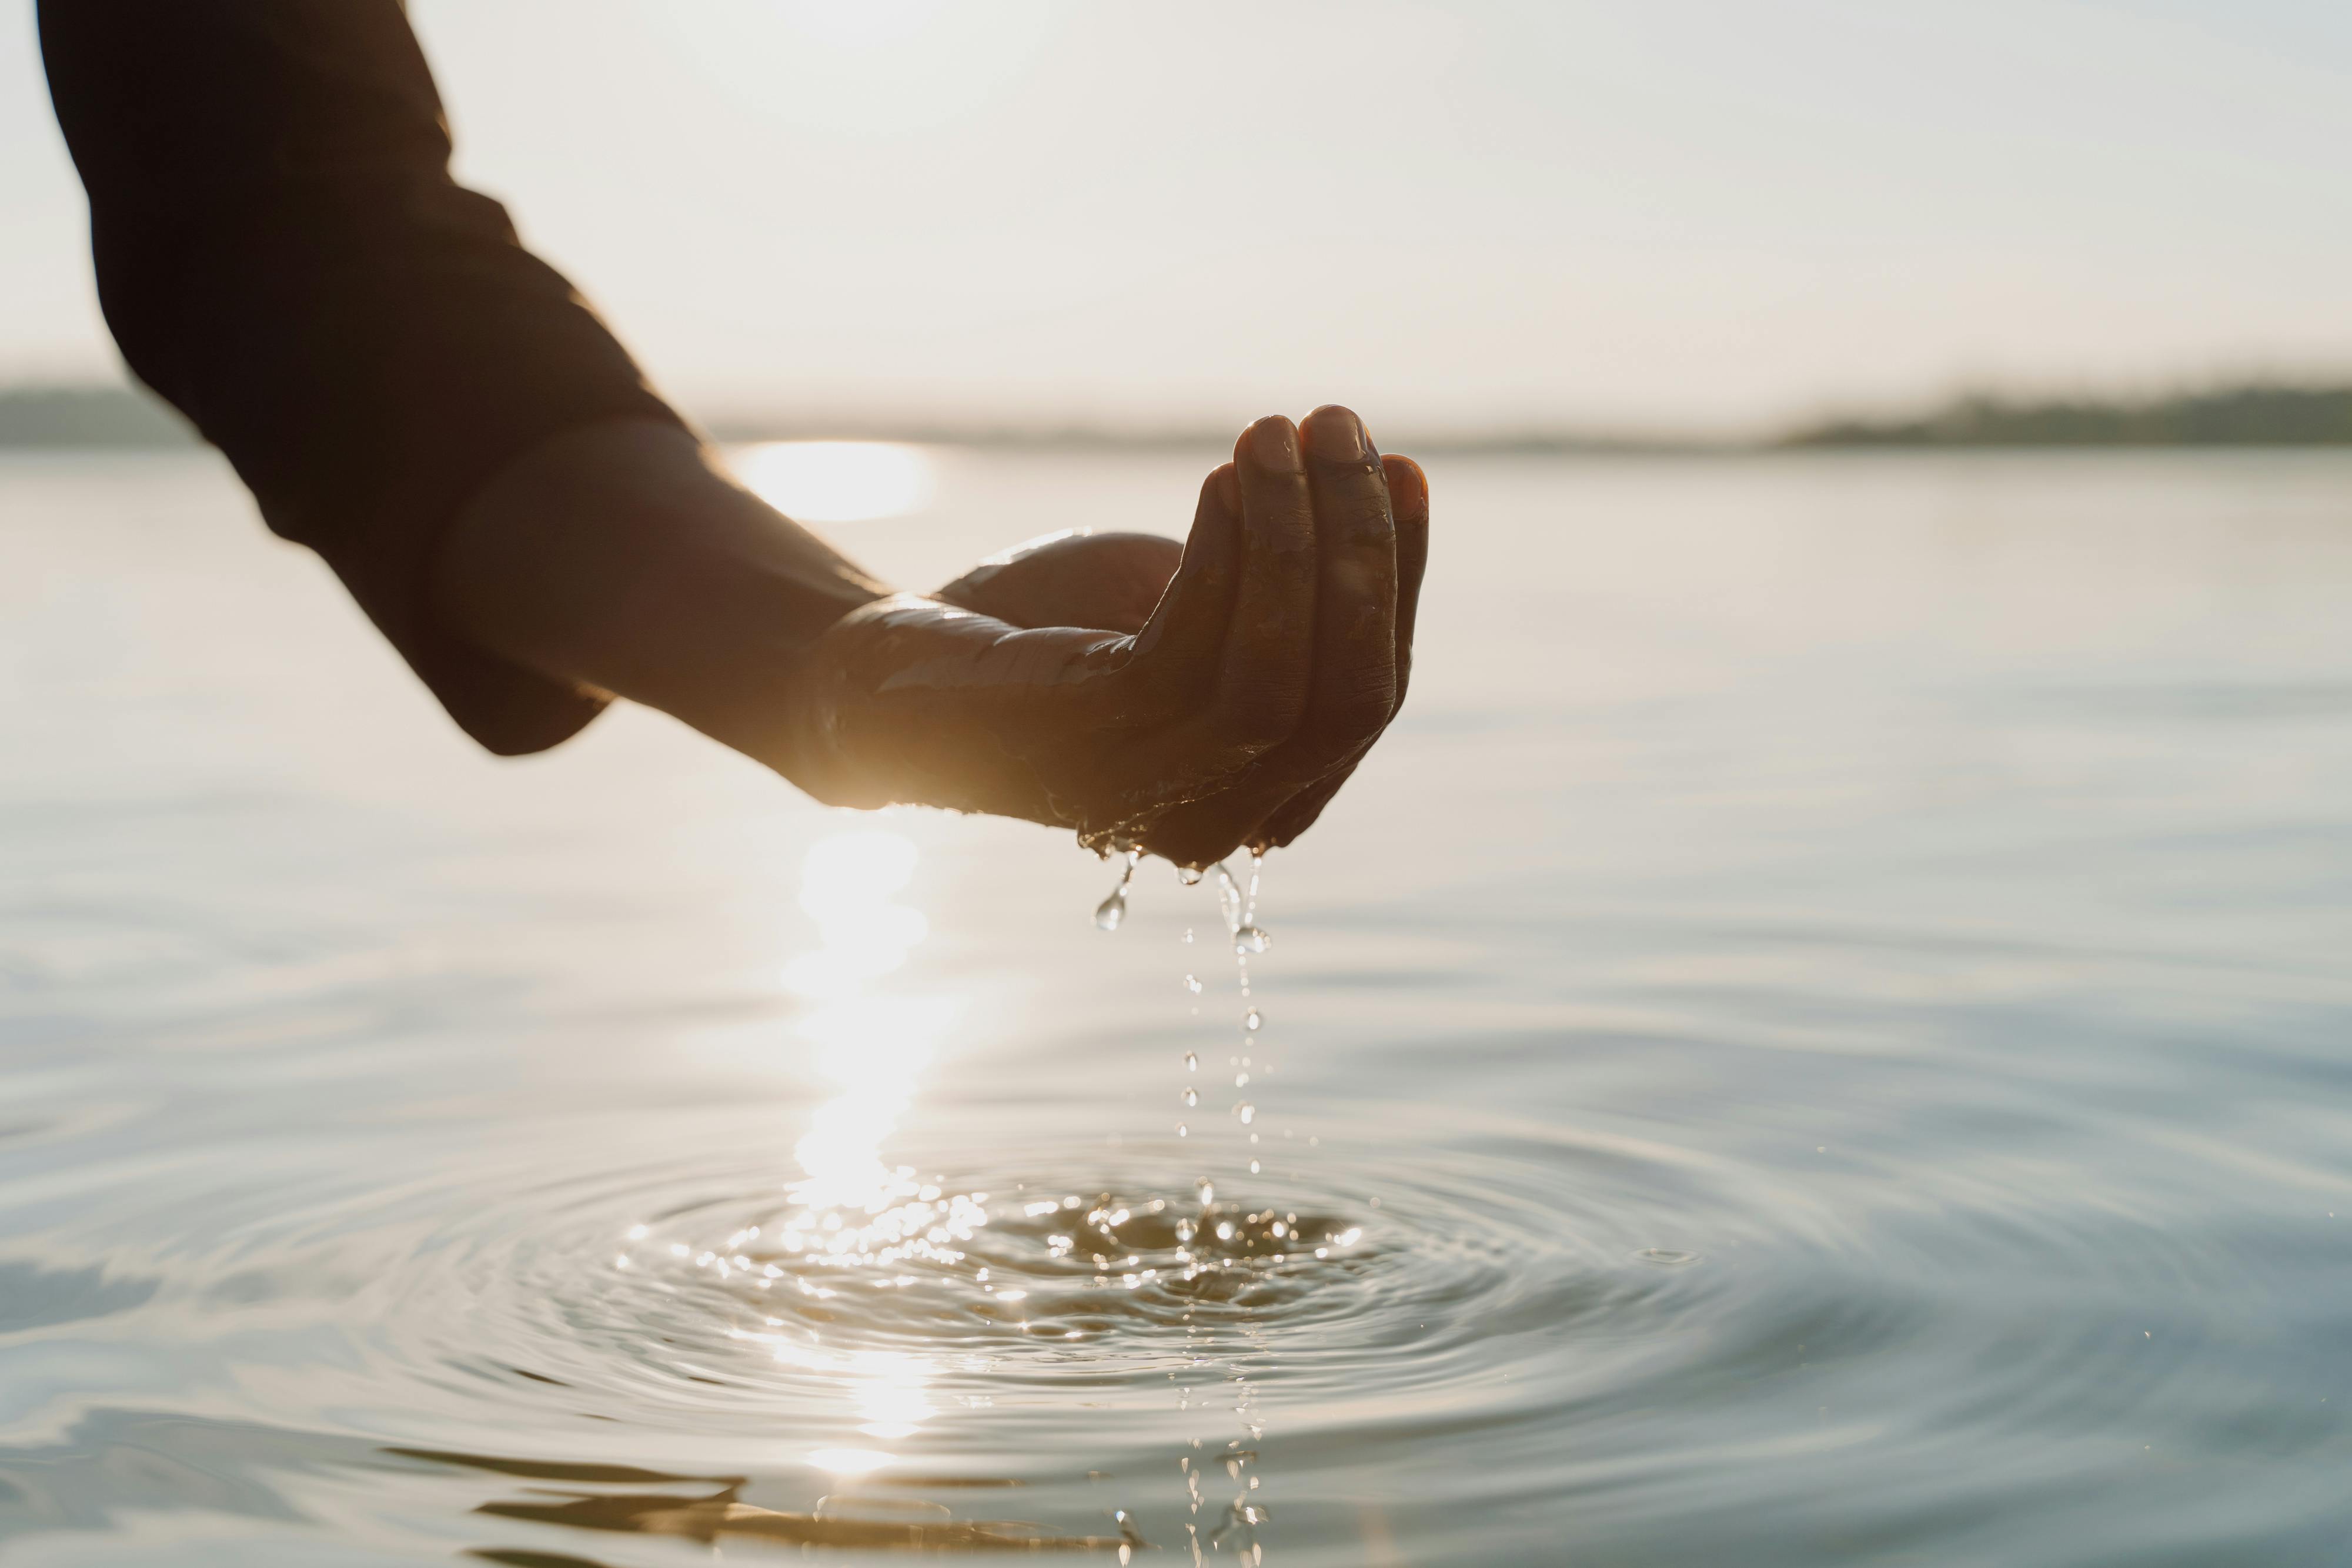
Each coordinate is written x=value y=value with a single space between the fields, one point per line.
x=1188 y=702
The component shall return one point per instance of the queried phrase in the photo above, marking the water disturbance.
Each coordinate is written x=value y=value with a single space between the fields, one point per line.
x=1221 y=1238
x=1818 y=1040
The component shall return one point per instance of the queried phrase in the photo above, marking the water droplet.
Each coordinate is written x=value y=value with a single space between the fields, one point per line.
x=1112 y=910
x=1253 y=1020
x=1188 y=876
x=1241 y=1079
x=1207 y=1189
x=1253 y=1167
x=1192 y=1062
x=1246 y=1112
x=1191 y=1098
x=1247 y=939
x=1193 y=984
x=1187 y=936
x=1182 y=1131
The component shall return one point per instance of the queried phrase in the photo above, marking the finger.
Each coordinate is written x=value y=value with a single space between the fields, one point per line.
x=1269 y=654
x=1182 y=642
x=1354 y=687
x=1409 y=503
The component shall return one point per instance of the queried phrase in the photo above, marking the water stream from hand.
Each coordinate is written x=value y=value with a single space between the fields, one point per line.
x=1226 y=1351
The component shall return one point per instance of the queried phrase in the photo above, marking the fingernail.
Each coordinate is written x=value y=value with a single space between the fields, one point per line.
x=1276 y=445
x=1337 y=436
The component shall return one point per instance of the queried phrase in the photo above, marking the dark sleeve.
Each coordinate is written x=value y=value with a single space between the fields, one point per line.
x=282 y=255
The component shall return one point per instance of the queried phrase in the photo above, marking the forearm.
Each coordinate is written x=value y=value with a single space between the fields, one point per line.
x=620 y=557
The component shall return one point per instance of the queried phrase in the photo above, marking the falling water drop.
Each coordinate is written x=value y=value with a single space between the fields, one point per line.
x=1253 y=1020
x=1193 y=984
x=1247 y=939
x=1192 y=1062
x=1246 y=1112
x=1112 y=910
x=1182 y=1131
x=1192 y=1097
x=1207 y=1189
x=1229 y=894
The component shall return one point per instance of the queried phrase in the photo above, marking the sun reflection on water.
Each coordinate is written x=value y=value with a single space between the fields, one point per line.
x=878 y=1292
x=837 y=481
x=854 y=1214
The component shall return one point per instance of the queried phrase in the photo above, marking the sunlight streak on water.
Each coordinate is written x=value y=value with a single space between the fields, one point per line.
x=856 y=1209
x=872 y=1047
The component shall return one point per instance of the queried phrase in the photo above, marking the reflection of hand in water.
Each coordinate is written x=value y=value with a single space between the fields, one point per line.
x=1193 y=700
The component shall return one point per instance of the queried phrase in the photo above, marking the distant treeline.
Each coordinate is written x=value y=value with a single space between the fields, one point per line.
x=2258 y=415
x=2246 y=416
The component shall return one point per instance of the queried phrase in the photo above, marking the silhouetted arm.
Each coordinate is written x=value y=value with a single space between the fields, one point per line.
x=282 y=255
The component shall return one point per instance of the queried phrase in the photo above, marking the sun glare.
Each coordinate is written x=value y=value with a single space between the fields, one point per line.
x=837 y=481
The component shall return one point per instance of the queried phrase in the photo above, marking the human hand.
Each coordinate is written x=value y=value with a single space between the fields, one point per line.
x=1037 y=686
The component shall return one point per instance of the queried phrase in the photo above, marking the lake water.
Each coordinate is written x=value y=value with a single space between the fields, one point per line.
x=1823 y=1036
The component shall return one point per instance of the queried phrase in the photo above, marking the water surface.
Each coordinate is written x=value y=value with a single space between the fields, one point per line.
x=1822 y=1037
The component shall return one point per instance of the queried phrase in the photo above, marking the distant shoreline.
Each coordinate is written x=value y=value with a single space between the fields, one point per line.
x=2253 y=414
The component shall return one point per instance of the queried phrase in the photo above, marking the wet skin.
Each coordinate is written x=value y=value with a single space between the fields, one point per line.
x=1188 y=700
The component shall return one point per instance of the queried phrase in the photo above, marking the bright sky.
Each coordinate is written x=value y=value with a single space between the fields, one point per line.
x=1687 y=212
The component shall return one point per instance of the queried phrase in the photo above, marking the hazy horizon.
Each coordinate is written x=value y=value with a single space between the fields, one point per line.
x=1698 y=218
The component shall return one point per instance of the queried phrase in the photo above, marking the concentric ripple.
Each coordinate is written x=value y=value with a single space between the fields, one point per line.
x=725 y=1299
